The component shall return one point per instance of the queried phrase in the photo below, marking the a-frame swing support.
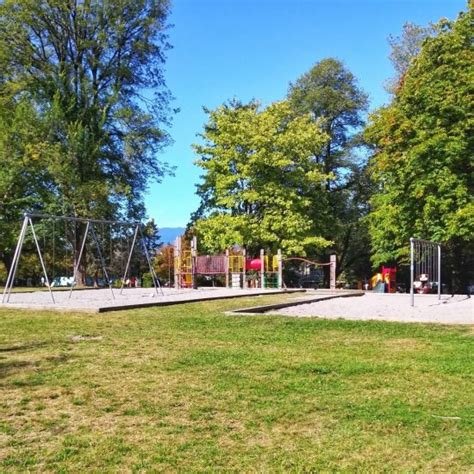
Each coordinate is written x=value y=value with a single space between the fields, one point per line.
x=16 y=258
x=156 y=282
x=28 y=222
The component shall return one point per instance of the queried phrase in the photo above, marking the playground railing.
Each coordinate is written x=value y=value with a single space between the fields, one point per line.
x=211 y=265
x=236 y=264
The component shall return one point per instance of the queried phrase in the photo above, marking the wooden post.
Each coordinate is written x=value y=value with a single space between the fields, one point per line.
x=227 y=269
x=439 y=271
x=177 y=262
x=262 y=269
x=193 y=262
x=244 y=269
x=412 y=271
x=280 y=269
x=332 y=273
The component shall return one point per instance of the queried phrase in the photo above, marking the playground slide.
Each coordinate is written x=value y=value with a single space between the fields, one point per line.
x=384 y=282
x=379 y=287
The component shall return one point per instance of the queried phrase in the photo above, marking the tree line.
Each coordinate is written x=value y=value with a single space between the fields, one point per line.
x=315 y=174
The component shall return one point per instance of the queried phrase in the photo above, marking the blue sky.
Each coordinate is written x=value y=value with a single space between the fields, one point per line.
x=253 y=49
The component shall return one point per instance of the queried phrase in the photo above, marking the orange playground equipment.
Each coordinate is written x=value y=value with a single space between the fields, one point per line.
x=386 y=281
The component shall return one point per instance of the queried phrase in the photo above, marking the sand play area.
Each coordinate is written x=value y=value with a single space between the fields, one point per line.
x=390 y=307
x=101 y=300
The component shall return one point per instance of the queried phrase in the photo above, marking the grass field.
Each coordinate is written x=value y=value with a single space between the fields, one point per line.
x=186 y=388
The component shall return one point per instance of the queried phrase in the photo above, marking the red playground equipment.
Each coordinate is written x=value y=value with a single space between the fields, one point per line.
x=386 y=281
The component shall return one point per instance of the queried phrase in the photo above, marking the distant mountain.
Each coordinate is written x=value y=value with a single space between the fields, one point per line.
x=168 y=234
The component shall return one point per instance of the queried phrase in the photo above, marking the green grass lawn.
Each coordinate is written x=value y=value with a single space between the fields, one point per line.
x=187 y=388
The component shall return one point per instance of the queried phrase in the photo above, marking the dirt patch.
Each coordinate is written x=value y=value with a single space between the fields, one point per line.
x=80 y=338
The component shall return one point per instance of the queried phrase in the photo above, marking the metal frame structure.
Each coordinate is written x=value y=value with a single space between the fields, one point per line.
x=28 y=223
x=425 y=258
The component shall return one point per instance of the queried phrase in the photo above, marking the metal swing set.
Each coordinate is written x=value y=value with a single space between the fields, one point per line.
x=90 y=224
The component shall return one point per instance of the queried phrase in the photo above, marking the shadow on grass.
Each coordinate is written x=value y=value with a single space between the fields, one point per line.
x=9 y=367
x=22 y=347
x=42 y=365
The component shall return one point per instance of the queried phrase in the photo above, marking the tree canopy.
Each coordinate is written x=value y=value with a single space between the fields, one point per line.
x=259 y=178
x=329 y=92
x=85 y=66
x=422 y=160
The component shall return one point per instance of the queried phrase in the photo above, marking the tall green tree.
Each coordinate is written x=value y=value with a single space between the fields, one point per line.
x=330 y=94
x=24 y=181
x=422 y=159
x=93 y=71
x=259 y=173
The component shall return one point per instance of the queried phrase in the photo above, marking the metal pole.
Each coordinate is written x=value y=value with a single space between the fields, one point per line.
x=17 y=261
x=227 y=269
x=439 y=271
x=332 y=272
x=177 y=263
x=280 y=269
x=82 y=219
x=12 y=281
x=262 y=269
x=412 y=271
x=150 y=266
x=41 y=259
x=76 y=266
x=11 y=273
x=129 y=258
x=156 y=279
x=169 y=266
x=194 y=262
x=102 y=261
x=244 y=268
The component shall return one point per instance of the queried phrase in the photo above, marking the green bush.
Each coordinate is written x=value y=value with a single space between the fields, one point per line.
x=147 y=280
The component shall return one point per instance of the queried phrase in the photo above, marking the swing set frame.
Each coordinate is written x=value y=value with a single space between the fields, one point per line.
x=90 y=223
x=425 y=258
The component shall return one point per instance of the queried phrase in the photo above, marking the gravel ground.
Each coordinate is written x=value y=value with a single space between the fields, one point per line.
x=92 y=300
x=390 y=307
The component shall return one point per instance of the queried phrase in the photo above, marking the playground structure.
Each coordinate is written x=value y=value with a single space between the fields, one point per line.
x=425 y=268
x=237 y=270
x=78 y=251
x=385 y=281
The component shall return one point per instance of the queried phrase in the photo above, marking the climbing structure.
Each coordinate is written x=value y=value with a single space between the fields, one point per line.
x=238 y=271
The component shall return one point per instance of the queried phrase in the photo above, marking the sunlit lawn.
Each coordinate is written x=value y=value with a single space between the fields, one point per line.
x=188 y=388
